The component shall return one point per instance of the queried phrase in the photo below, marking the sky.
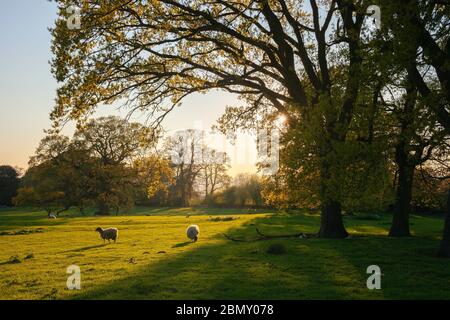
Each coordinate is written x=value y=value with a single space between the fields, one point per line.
x=27 y=91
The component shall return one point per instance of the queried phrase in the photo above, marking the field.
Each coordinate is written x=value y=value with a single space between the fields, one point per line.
x=153 y=259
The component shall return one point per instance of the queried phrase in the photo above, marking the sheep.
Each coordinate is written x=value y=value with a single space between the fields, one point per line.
x=108 y=234
x=51 y=216
x=192 y=232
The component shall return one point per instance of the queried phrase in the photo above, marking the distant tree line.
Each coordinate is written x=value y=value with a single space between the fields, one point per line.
x=9 y=183
x=112 y=164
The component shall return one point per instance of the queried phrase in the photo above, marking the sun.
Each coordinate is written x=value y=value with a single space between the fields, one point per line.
x=281 y=119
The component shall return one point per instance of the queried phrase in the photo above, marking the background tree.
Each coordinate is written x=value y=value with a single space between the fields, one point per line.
x=112 y=187
x=114 y=142
x=423 y=115
x=58 y=176
x=9 y=183
x=213 y=174
x=155 y=176
x=50 y=148
x=245 y=190
x=444 y=248
x=276 y=193
x=184 y=150
x=95 y=167
x=43 y=189
x=430 y=188
x=426 y=24
x=417 y=138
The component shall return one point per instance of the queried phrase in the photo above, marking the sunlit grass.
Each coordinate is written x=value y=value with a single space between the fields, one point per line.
x=154 y=260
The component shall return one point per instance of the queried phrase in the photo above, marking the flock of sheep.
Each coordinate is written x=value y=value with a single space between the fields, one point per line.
x=109 y=234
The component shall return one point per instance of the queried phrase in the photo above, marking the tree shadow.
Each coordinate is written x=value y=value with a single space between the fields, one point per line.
x=15 y=218
x=193 y=211
x=311 y=269
x=409 y=267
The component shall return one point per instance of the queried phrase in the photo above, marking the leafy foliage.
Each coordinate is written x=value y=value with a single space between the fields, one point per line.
x=9 y=183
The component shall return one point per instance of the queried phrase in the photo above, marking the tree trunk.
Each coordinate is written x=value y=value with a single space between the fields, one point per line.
x=403 y=196
x=184 y=198
x=444 y=249
x=184 y=202
x=331 y=224
x=103 y=208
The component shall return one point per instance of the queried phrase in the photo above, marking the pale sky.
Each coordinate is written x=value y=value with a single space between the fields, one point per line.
x=27 y=90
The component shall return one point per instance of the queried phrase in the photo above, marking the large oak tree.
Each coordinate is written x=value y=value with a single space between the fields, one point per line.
x=301 y=59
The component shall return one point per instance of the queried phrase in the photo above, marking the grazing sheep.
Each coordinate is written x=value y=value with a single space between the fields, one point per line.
x=108 y=234
x=192 y=232
x=51 y=216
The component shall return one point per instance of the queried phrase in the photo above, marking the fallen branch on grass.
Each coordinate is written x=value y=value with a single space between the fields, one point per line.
x=263 y=236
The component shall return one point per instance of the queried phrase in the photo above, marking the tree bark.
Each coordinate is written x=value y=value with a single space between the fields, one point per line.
x=444 y=249
x=406 y=162
x=331 y=223
x=402 y=208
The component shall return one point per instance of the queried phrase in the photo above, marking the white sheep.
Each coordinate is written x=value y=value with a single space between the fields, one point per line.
x=108 y=234
x=192 y=232
x=51 y=216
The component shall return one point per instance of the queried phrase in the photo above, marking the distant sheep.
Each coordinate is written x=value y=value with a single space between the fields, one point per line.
x=192 y=232
x=51 y=216
x=108 y=234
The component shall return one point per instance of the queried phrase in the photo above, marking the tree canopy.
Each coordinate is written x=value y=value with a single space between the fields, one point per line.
x=9 y=183
x=351 y=92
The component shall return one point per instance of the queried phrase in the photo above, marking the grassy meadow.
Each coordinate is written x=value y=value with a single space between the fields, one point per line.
x=153 y=259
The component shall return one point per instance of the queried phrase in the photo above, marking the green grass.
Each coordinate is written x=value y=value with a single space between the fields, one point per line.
x=154 y=260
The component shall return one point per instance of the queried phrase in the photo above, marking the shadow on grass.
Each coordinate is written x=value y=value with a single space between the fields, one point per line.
x=11 y=218
x=182 y=244
x=190 y=211
x=311 y=269
x=14 y=218
x=8 y=262
x=409 y=266
x=87 y=248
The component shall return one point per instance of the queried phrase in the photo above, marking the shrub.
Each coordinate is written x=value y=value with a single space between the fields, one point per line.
x=277 y=249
